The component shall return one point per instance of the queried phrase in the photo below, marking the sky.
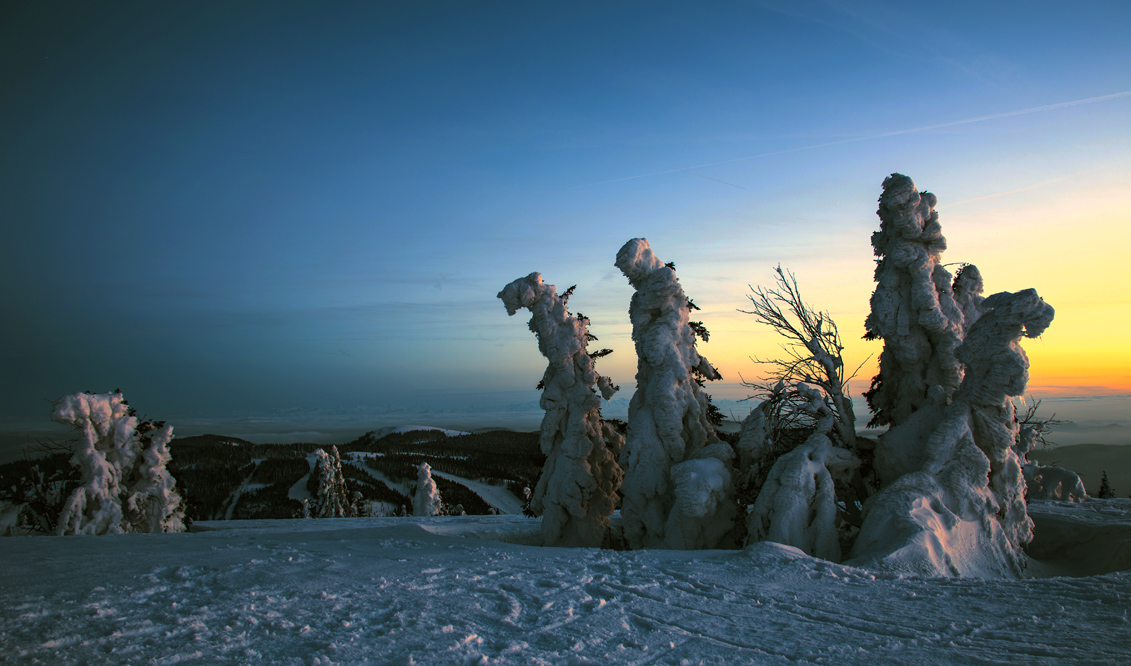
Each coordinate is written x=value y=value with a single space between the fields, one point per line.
x=238 y=209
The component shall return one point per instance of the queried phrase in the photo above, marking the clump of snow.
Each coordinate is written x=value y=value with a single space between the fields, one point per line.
x=667 y=419
x=426 y=501
x=125 y=484
x=331 y=497
x=578 y=488
x=963 y=512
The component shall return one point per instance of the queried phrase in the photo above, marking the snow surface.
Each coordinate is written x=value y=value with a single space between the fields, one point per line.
x=442 y=591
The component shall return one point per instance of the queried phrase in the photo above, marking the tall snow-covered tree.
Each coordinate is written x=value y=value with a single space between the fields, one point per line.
x=678 y=490
x=328 y=486
x=125 y=484
x=962 y=512
x=426 y=501
x=577 y=491
x=913 y=307
x=922 y=314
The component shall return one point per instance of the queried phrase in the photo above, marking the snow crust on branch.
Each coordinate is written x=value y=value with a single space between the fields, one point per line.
x=666 y=507
x=963 y=512
x=577 y=491
x=331 y=498
x=125 y=484
x=913 y=307
x=426 y=500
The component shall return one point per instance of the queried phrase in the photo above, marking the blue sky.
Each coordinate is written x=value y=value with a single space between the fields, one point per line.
x=228 y=209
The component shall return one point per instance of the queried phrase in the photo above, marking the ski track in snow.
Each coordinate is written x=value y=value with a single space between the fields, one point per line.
x=389 y=591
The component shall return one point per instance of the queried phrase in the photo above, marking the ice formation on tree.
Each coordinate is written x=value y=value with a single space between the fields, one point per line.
x=125 y=485
x=577 y=491
x=678 y=491
x=426 y=500
x=963 y=511
x=922 y=315
x=331 y=497
x=913 y=306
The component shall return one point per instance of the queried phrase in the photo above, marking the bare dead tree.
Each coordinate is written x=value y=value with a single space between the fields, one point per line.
x=812 y=356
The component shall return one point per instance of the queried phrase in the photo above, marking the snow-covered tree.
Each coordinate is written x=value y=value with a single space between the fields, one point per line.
x=125 y=484
x=328 y=486
x=577 y=491
x=806 y=404
x=678 y=490
x=914 y=309
x=426 y=501
x=963 y=511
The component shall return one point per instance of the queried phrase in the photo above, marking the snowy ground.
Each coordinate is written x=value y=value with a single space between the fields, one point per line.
x=447 y=591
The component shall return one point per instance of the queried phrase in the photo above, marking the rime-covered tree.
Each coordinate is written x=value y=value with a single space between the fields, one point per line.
x=913 y=307
x=328 y=486
x=125 y=485
x=577 y=491
x=678 y=490
x=426 y=500
x=962 y=512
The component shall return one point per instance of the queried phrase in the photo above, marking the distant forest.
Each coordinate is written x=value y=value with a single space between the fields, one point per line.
x=228 y=477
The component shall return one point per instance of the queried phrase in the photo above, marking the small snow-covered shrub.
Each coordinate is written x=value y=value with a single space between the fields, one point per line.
x=426 y=501
x=125 y=486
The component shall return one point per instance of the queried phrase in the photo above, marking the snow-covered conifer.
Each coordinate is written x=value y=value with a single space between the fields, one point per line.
x=331 y=498
x=667 y=420
x=913 y=307
x=963 y=511
x=125 y=485
x=577 y=491
x=426 y=501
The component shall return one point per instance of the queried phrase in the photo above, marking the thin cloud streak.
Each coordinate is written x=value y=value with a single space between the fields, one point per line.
x=881 y=135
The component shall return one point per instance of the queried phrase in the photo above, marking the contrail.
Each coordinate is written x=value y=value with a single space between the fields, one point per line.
x=707 y=177
x=881 y=135
x=1024 y=189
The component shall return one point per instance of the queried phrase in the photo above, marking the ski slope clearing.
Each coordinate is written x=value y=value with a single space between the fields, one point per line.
x=446 y=590
x=497 y=496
